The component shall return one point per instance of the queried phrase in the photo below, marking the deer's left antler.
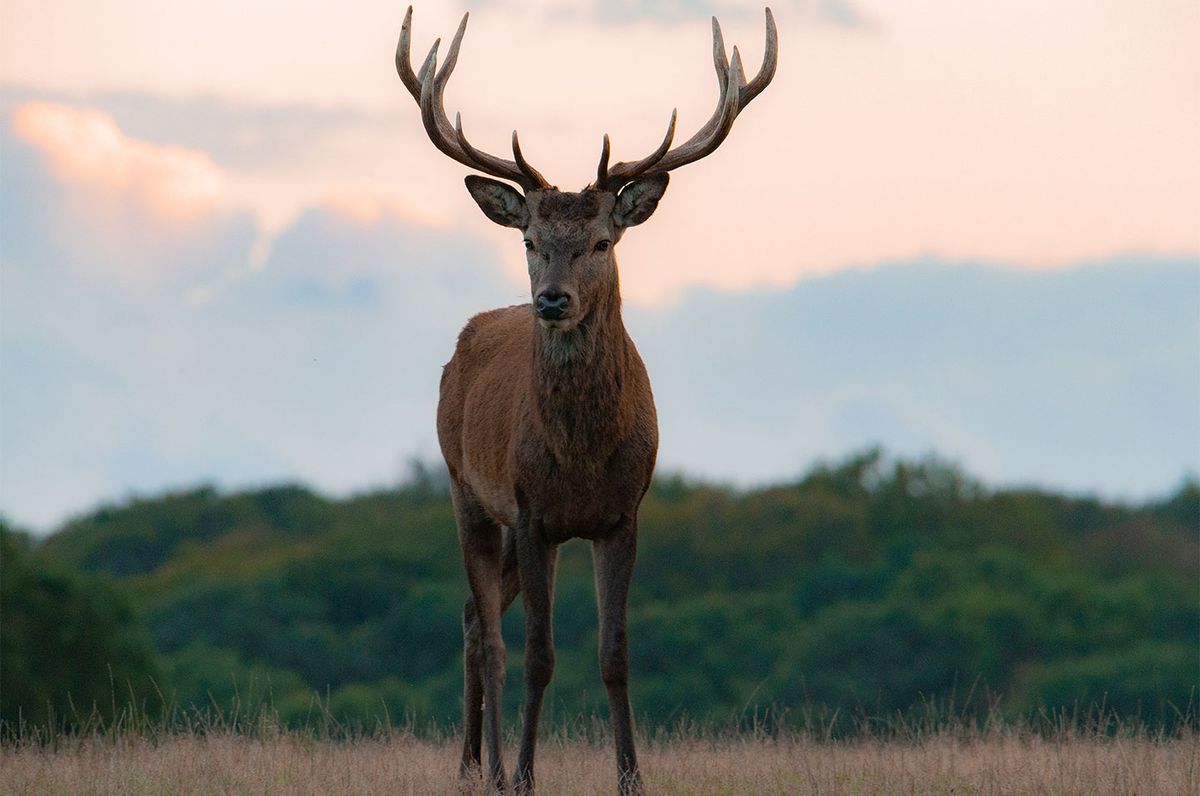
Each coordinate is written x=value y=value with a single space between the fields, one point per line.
x=734 y=95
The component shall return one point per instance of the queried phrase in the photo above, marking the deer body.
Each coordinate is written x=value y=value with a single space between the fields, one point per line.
x=546 y=419
x=517 y=411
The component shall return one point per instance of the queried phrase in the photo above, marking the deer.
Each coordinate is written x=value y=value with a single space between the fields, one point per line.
x=545 y=417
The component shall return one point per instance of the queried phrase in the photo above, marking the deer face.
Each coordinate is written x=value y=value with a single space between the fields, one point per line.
x=569 y=239
x=569 y=236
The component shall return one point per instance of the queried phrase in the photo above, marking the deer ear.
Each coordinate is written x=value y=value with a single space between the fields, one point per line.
x=499 y=202
x=638 y=200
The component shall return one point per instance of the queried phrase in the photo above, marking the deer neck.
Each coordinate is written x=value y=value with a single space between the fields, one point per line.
x=580 y=389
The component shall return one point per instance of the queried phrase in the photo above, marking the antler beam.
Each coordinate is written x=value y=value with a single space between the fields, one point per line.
x=428 y=87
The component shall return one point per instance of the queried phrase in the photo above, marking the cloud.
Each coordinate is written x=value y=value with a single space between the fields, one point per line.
x=114 y=208
x=1083 y=378
x=86 y=147
x=320 y=363
x=233 y=136
x=275 y=160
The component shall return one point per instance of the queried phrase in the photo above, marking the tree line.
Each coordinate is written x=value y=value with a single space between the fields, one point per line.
x=868 y=586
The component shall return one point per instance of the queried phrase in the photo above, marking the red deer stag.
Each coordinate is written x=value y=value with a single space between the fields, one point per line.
x=546 y=419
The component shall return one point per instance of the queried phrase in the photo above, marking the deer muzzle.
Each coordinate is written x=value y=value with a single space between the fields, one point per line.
x=551 y=305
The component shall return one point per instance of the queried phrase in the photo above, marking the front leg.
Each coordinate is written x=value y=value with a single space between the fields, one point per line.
x=473 y=661
x=612 y=561
x=483 y=554
x=536 y=561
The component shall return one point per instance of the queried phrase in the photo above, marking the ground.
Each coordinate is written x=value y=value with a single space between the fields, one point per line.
x=946 y=762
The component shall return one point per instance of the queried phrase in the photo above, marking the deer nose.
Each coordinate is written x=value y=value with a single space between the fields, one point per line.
x=551 y=304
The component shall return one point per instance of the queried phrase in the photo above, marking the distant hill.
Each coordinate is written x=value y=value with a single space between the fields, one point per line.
x=869 y=584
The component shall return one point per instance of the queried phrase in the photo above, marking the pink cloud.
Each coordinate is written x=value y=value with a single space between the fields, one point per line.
x=87 y=148
x=131 y=210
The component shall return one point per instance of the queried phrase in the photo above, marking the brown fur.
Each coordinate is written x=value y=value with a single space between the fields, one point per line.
x=517 y=413
x=549 y=432
x=546 y=419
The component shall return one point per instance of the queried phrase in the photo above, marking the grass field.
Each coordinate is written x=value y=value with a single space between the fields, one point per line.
x=217 y=760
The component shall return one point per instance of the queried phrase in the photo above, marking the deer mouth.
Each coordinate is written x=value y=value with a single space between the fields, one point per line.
x=556 y=324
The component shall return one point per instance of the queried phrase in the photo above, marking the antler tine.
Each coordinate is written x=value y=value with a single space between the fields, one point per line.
x=602 y=169
x=622 y=173
x=719 y=60
x=734 y=94
x=530 y=180
x=529 y=171
x=767 y=71
x=737 y=73
x=451 y=55
x=404 y=60
x=442 y=76
x=428 y=87
x=471 y=152
x=714 y=132
x=429 y=65
x=428 y=112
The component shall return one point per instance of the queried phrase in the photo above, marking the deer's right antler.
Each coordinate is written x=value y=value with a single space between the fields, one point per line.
x=735 y=94
x=428 y=86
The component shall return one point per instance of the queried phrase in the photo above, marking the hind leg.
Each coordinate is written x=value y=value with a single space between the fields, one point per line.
x=536 y=561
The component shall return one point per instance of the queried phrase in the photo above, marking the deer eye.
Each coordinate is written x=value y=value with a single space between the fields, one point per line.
x=603 y=245
x=528 y=245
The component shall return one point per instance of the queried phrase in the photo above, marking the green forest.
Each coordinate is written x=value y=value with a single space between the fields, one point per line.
x=869 y=587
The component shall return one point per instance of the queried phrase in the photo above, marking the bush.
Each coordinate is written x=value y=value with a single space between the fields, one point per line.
x=70 y=645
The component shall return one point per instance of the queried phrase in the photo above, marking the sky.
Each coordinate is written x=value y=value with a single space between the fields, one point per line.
x=229 y=253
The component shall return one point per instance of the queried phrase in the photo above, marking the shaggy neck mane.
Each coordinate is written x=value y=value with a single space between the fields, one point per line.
x=579 y=392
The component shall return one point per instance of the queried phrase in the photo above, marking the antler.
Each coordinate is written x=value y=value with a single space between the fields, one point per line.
x=428 y=86
x=735 y=94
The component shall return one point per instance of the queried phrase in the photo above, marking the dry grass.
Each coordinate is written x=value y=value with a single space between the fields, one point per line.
x=225 y=762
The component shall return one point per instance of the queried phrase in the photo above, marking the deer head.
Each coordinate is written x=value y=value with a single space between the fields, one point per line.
x=569 y=237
